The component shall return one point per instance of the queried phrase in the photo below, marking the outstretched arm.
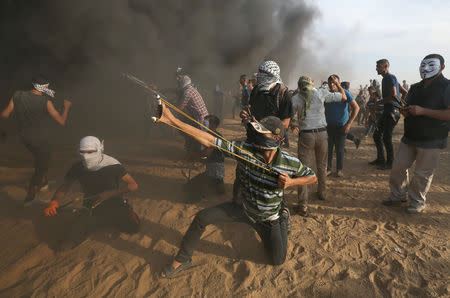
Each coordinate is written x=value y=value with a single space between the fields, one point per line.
x=8 y=110
x=200 y=136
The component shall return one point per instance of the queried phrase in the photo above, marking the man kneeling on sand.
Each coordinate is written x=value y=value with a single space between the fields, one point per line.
x=100 y=176
x=264 y=172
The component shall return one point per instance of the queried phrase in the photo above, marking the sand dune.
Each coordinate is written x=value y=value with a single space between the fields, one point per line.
x=350 y=246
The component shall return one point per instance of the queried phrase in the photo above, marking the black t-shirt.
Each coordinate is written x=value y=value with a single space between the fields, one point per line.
x=270 y=103
x=95 y=182
x=31 y=113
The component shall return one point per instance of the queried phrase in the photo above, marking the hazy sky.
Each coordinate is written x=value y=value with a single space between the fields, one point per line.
x=350 y=36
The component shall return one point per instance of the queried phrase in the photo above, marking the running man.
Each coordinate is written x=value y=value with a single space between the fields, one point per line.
x=32 y=110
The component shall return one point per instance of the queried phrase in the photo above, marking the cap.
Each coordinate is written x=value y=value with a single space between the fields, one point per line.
x=270 y=124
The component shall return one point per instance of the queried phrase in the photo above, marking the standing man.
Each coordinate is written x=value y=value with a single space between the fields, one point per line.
x=33 y=109
x=218 y=104
x=192 y=103
x=312 y=132
x=270 y=96
x=338 y=124
x=427 y=116
x=385 y=126
x=405 y=85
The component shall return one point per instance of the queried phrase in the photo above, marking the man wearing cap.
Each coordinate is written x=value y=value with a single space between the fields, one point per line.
x=427 y=117
x=312 y=132
x=264 y=172
x=100 y=176
x=32 y=110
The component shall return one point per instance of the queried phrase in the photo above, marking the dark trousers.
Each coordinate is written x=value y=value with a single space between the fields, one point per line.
x=273 y=233
x=383 y=136
x=41 y=155
x=336 y=139
x=202 y=185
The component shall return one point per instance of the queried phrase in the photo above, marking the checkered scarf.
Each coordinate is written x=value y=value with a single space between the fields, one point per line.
x=268 y=75
x=44 y=88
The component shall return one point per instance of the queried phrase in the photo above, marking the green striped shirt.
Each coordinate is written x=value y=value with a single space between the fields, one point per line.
x=260 y=188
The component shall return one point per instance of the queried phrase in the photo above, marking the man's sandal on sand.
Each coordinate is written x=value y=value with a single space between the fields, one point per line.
x=169 y=272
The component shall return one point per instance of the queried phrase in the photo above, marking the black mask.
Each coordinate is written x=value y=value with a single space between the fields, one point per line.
x=263 y=142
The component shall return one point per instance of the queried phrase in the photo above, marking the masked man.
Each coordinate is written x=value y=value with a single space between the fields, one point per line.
x=192 y=103
x=32 y=110
x=100 y=177
x=427 y=116
x=264 y=172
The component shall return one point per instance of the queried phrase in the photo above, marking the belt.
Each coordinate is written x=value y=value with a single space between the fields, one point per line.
x=314 y=130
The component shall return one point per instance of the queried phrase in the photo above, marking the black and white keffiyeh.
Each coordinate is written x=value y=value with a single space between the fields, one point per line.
x=44 y=88
x=268 y=75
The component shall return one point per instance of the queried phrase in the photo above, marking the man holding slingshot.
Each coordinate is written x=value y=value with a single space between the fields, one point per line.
x=265 y=171
x=100 y=177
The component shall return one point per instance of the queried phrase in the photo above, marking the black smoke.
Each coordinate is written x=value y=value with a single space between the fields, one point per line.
x=82 y=46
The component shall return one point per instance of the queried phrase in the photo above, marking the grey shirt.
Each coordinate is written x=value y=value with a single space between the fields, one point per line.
x=315 y=116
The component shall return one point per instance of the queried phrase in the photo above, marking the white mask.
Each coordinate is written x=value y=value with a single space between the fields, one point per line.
x=429 y=68
x=96 y=160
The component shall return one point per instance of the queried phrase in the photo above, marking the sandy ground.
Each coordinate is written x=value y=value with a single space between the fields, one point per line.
x=350 y=246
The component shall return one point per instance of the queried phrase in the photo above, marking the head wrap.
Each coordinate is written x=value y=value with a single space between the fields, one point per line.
x=305 y=86
x=96 y=160
x=44 y=88
x=184 y=81
x=268 y=75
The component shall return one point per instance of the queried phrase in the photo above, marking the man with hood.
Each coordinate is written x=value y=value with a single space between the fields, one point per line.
x=426 y=126
x=192 y=103
x=264 y=172
x=33 y=109
x=100 y=177
x=312 y=132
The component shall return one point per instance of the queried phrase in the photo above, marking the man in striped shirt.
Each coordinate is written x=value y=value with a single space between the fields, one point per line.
x=264 y=172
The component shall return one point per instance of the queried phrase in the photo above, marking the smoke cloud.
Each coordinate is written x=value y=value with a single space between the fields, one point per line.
x=83 y=46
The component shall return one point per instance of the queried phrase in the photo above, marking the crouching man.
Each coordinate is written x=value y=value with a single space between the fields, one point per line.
x=100 y=177
x=264 y=172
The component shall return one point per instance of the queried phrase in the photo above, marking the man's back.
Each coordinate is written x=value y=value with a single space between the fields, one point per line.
x=31 y=113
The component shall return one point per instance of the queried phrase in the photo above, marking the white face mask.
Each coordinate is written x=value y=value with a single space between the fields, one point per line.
x=429 y=68
x=91 y=160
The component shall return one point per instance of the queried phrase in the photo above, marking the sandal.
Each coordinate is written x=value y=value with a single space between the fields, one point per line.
x=170 y=272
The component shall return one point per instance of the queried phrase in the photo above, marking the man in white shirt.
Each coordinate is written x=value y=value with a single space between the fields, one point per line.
x=312 y=130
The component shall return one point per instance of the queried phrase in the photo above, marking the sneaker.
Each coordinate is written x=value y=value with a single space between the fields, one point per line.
x=357 y=142
x=390 y=202
x=329 y=173
x=415 y=210
x=340 y=174
x=377 y=162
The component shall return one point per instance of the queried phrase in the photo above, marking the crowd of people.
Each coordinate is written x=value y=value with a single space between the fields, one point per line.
x=322 y=118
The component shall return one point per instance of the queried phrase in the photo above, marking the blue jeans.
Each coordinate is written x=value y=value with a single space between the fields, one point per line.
x=336 y=138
